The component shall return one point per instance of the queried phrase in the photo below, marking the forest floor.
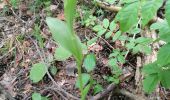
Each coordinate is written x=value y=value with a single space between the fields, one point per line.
x=25 y=37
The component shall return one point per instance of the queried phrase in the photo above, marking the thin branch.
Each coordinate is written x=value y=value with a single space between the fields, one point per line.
x=131 y=95
x=110 y=7
x=109 y=88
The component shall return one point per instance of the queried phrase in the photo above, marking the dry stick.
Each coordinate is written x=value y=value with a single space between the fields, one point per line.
x=117 y=9
x=58 y=87
x=109 y=88
x=131 y=95
x=110 y=8
x=105 y=41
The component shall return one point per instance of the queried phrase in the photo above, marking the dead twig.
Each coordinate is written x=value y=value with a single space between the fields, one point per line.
x=110 y=7
x=131 y=95
x=109 y=88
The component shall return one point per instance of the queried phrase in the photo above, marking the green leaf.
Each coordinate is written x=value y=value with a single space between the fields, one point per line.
x=97 y=28
x=90 y=62
x=164 y=55
x=116 y=36
x=165 y=81
x=36 y=96
x=150 y=82
x=142 y=48
x=135 y=31
x=149 y=10
x=85 y=79
x=143 y=40
x=69 y=12
x=101 y=32
x=112 y=62
x=151 y=68
x=112 y=26
x=108 y=34
x=164 y=31
x=105 y=23
x=64 y=37
x=167 y=11
x=98 y=88
x=85 y=91
x=130 y=45
x=44 y=98
x=37 y=72
x=61 y=54
x=121 y=59
x=128 y=16
x=93 y=40
x=53 y=70
x=155 y=26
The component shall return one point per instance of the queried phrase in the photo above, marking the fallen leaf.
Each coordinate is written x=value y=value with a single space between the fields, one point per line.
x=61 y=16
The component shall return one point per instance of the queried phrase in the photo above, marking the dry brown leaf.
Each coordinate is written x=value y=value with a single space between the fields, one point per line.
x=61 y=16
x=95 y=48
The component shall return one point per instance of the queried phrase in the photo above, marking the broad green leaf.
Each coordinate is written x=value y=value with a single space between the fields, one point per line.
x=61 y=54
x=167 y=11
x=149 y=10
x=90 y=62
x=142 y=48
x=116 y=36
x=105 y=23
x=165 y=80
x=69 y=12
x=164 y=31
x=36 y=96
x=164 y=55
x=108 y=34
x=64 y=37
x=143 y=40
x=37 y=72
x=151 y=68
x=150 y=82
x=155 y=26
x=97 y=88
x=128 y=16
x=112 y=26
x=85 y=79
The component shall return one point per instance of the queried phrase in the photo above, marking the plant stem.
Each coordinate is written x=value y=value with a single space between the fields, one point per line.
x=79 y=64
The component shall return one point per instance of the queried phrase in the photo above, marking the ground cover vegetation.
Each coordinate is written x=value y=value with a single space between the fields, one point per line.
x=84 y=50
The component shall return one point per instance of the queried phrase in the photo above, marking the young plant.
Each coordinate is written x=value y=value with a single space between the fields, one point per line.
x=37 y=96
x=64 y=34
x=158 y=71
